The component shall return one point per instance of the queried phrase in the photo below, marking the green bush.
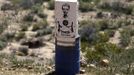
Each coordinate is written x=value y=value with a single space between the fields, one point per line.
x=125 y=37
x=101 y=37
x=90 y=31
x=29 y=17
x=87 y=34
x=2 y=44
x=3 y=38
x=20 y=35
x=9 y=35
x=40 y=25
x=85 y=7
x=36 y=8
x=3 y=24
x=104 y=24
x=89 y=1
x=93 y=56
x=44 y=31
x=85 y=46
x=35 y=27
x=102 y=50
x=117 y=6
x=51 y=4
x=42 y=15
x=7 y=6
x=24 y=27
x=39 y=10
x=15 y=2
x=1 y=29
x=123 y=22
x=110 y=33
x=107 y=48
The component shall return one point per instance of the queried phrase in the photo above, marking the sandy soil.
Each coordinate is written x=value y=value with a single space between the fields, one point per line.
x=116 y=38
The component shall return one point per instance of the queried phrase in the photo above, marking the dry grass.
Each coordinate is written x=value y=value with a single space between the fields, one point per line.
x=18 y=73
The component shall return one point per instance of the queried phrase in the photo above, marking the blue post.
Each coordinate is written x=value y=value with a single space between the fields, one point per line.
x=67 y=59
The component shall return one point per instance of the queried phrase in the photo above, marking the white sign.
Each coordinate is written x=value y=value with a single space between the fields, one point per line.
x=66 y=13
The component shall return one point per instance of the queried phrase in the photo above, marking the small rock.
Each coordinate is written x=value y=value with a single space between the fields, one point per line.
x=117 y=74
x=23 y=50
x=82 y=71
x=104 y=62
x=83 y=62
x=29 y=67
x=91 y=65
x=49 y=67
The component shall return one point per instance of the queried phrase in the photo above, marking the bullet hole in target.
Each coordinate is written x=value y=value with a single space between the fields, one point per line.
x=65 y=22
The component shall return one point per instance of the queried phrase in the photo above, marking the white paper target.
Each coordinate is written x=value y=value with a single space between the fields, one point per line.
x=66 y=13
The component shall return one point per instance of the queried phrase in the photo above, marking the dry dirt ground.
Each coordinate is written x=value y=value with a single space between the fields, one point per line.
x=45 y=52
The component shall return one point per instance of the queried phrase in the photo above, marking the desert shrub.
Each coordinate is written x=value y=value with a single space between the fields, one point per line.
x=3 y=38
x=85 y=23
x=101 y=37
x=42 y=15
x=131 y=32
x=3 y=25
x=122 y=63
x=20 y=35
x=25 y=63
x=91 y=36
x=117 y=6
x=122 y=22
x=128 y=56
x=7 y=6
x=44 y=31
x=26 y=4
x=29 y=17
x=3 y=42
x=51 y=4
x=89 y=1
x=33 y=43
x=85 y=46
x=110 y=32
x=15 y=2
x=35 y=27
x=21 y=3
x=46 y=0
x=40 y=25
x=85 y=7
x=87 y=33
x=24 y=27
x=38 y=9
x=104 y=24
x=125 y=37
x=90 y=31
x=1 y=29
x=93 y=56
x=23 y=50
x=38 y=1
x=113 y=24
x=107 y=48
x=2 y=45
x=102 y=50
x=9 y=35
